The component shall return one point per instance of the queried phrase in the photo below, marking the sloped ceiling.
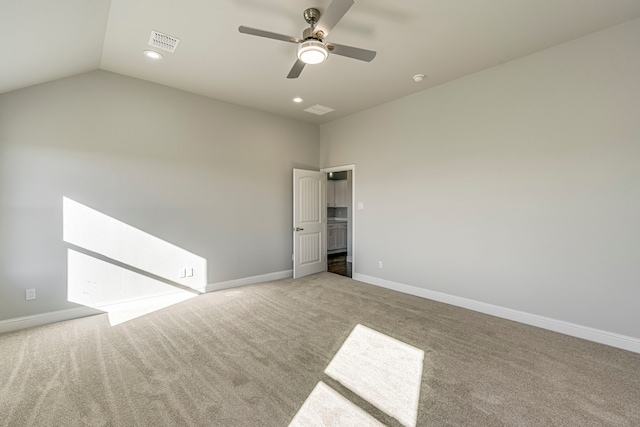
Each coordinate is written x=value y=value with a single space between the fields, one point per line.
x=44 y=40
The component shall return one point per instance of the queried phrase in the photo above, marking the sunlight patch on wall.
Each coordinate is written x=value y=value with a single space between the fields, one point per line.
x=126 y=272
x=380 y=369
x=99 y=233
x=122 y=293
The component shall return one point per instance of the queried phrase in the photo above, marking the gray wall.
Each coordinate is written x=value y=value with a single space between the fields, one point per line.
x=206 y=176
x=518 y=186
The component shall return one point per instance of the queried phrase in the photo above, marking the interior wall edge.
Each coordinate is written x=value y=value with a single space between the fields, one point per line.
x=567 y=328
x=286 y=274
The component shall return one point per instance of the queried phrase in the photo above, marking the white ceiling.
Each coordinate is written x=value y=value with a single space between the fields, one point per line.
x=43 y=40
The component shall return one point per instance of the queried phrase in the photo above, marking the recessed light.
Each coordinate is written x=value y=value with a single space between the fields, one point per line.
x=418 y=78
x=152 y=54
x=297 y=100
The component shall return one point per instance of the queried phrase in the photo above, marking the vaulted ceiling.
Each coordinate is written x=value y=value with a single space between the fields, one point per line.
x=44 y=40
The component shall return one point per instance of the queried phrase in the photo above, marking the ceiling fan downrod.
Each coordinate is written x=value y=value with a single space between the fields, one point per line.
x=312 y=16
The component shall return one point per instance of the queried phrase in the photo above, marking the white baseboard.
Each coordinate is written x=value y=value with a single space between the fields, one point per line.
x=249 y=280
x=567 y=328
x=76 y=313
x=46 y=318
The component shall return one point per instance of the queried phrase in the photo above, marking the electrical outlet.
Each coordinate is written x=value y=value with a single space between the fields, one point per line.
x=182 y=273
x=380 y=265
x=31 y=294
x=189 y=272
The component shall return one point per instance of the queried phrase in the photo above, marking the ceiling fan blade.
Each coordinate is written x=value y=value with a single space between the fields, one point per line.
x=268 y=34
x=296 y=70
x=351 y=52
x=336 y=10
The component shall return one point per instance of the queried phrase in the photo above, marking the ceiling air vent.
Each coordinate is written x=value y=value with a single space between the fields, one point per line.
x=163 y=41
x=318 y=109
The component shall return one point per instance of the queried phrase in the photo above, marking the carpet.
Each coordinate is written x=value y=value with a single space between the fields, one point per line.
x=252 y=356
x=382 y=370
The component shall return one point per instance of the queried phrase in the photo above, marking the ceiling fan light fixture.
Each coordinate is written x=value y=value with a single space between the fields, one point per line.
x=312 y=52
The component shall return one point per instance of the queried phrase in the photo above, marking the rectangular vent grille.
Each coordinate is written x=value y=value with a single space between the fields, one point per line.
x=319 y=110
x=163 y=41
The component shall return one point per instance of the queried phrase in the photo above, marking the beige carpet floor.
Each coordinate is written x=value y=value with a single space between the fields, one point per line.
x=252 y=356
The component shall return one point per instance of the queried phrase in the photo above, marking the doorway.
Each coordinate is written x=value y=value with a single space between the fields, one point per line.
x=340 y=219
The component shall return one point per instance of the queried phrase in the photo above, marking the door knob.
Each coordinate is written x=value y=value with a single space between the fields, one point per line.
x=298 y=229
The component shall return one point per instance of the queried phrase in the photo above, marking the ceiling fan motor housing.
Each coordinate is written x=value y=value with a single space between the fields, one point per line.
x=308 y=34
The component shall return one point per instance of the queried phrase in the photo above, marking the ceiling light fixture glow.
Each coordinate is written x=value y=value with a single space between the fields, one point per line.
x=312 y=52
x=152 y=54
x=297 y=100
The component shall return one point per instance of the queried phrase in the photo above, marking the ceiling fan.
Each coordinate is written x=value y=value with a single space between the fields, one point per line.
x=311 y=47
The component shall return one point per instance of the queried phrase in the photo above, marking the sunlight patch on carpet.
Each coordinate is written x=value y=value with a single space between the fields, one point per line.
x=123 y=312
x=382 y=370
x=327 y=407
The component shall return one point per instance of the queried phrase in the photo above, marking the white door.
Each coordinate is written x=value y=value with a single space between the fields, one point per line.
x=309 y=222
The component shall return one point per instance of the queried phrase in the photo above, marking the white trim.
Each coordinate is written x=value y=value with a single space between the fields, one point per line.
x=249 y=280
x=46 y=318
x=567 y=328
x=78 y=312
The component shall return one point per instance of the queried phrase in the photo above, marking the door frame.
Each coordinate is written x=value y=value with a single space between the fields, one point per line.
x=351 y=168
